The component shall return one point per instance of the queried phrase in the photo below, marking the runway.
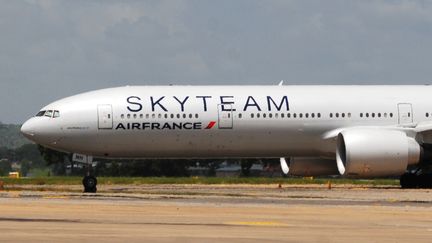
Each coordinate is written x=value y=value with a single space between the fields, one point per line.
x=210 y=213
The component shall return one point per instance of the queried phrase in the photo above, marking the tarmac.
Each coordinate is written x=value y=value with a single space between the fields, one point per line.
x=215 y=213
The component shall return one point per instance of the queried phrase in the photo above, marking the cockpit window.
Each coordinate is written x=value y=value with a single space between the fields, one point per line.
x=49 y=113
x=40 y=113
x=56 y=114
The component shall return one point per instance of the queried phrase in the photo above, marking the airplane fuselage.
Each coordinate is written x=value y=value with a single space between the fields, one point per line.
x=224 y=121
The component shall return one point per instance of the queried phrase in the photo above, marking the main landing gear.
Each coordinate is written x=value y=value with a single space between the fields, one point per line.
x=416 y=179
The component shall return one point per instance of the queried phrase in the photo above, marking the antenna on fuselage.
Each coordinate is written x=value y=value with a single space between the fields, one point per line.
x=280 y=83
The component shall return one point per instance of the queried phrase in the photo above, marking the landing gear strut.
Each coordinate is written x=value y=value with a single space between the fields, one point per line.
x=411 y=180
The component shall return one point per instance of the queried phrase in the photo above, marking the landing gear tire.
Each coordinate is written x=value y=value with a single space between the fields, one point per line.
x=424 y=181
x=408 y=181
x=89 y=183
x=411 y=180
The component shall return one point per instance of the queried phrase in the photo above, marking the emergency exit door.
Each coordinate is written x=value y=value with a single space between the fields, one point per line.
x=405 y=113
x=105 y=117
x=225 y=116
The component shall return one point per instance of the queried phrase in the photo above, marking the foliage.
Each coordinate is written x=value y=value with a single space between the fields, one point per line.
x=5 y=167
x=11 y=137
x=149 y=167
x=246 y=165
x=30 y=153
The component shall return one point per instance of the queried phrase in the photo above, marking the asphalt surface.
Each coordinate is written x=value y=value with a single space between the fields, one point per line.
x=215 y=213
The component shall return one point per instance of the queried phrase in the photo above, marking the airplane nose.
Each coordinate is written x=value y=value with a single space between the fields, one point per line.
x=41 y=131
x=27 y=129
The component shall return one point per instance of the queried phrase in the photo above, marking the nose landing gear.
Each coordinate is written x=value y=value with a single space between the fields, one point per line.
x=89 y=182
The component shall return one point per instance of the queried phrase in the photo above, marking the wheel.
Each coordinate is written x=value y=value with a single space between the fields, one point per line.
x=408 y=181
x=425 y=181
x=89 y=183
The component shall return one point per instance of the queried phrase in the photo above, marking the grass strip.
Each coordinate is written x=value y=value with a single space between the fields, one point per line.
x=193 y=180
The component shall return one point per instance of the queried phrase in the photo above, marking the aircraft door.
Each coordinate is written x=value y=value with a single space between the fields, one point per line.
x=225 y=117
x=405 y=113
x=105 y=117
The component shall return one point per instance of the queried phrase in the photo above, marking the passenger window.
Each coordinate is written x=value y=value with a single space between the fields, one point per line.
x=172 y=116
x=313 y=115
x=178 y=116
x=379 y=114
x=349 y=114
x=240 y=115
x=147 y=116
x=282 y=115
x=391 y=114
x=276 y=115
x=427 y=114
x=264 y=115
x=289 y=115
x=57 y=114
x=184 y=116
x=361 y=114
x=134 y=116
x=270 y=115
x=128 y=116
x=409 y=114
x=331 y=115
x=367 y=114
x=343 y=114
x=307 y=115
x=319 y=115
x=258 y=115
x=385 y=114
x=153 y=115
x=196 y=115
x=159 y=115
x=122 y=116
x=141 y=116
x=190 y=116
x=252 y=115
x=166 y=116
x=301 y=115
x=294 y=115
x=337 y=114
x=373 y=114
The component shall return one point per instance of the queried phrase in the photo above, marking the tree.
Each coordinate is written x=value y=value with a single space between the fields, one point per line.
x=31 y=153
x=6 y=153
x=25 y=167
x=55 y=159
x=246 y=165
x=5 y=167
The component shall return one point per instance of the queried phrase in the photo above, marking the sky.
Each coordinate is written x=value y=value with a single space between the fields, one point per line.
x=50 y=49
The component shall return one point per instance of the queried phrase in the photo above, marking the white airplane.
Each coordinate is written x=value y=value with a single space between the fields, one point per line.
x=361 y=131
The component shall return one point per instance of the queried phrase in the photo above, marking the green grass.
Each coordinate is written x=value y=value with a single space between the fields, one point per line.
x=192 y=180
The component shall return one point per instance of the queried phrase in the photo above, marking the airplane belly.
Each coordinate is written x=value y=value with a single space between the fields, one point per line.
x=215 y=143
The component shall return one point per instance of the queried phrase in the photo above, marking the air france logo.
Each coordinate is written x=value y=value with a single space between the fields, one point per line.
x=210 y=125
x=165 y=126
